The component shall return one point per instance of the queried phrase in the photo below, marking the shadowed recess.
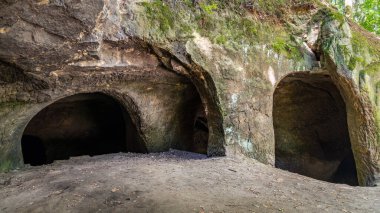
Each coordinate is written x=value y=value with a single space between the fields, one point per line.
x=83 y=124
x=193 y=125
x=311 y=132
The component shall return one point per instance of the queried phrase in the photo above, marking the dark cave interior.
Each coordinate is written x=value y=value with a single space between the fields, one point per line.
x=82 y=124
x=311 y=131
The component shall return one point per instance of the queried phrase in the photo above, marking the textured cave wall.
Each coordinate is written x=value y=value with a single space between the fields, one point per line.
x=311 y=131
x=51 y=50
x=43 y=61
x=83 y=124
x=157 y=130
x=342 y=44
x=147 y=53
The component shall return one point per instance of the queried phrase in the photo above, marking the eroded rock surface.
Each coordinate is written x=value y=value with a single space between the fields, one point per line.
x=311 y=129
x=160 y=59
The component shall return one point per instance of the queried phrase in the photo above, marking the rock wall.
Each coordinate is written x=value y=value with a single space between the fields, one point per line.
x=149 y=54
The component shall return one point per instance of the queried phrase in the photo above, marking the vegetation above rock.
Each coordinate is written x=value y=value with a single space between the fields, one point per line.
x=233 y=24
x=364 y=12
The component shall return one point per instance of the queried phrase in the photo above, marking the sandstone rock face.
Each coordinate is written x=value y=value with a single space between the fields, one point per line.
x=189 y=76
x=309 y=118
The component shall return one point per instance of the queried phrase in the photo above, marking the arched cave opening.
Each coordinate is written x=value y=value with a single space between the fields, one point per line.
x=83 y=124
x=193 y=124
x=311 y=131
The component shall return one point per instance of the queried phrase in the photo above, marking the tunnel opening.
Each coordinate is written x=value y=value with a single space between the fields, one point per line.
x=311 y=131
x=193 y=124
x=83 y=124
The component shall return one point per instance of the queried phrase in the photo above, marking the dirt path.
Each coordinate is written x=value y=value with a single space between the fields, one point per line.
x=174 y=182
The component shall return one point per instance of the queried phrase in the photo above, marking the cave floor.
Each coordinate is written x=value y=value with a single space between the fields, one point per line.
x=174 y=182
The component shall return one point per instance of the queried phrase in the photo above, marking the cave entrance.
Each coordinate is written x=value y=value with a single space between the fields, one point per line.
x=82 y=124
x=311 y=131
x=193 y=125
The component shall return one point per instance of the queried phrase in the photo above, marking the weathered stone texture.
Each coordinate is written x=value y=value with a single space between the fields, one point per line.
x=150 y=55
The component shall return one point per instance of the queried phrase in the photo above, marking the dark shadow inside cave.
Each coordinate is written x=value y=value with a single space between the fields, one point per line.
x=311 y=131
x=193 y=126
x=83 y=124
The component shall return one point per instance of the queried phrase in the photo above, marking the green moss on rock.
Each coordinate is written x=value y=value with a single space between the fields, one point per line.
x=283 y=45
x=231 y=24
x=160 y=15
x=5 y=166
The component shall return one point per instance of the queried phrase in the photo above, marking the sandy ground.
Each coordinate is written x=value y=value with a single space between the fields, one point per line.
x=174 y=182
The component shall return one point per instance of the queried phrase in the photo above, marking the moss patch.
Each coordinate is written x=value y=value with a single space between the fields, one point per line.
x=160 y=15
x=6 y=165
x=9 y=107
x=362 y=47
x=232 y=24
x=366 y=59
